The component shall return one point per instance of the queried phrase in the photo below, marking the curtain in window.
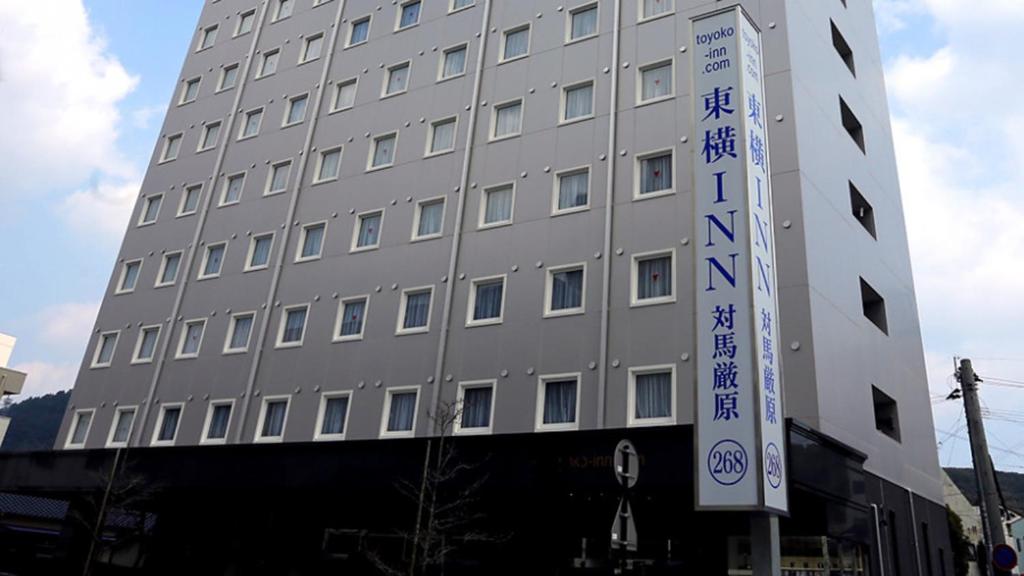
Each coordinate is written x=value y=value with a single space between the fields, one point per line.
x=476 y=407
x=294 y=324
x=430 y=219
x=560 y=402
x=219 y=422
x=297 y=110
x=314 y=241
x=245 y=24
x=352 y=321
x=567 y=290
x=269 y=63
x=240 y=337
x=360 y=31
x=212 y=131
x=214 y=257
x=579 y=102
x=193 y=337
x=279 y=178
x=123 y=426
x=573 y=190
x=398 y=79
x=369 y=231
x=654 y=278
x=499 y=205
x=488 y=300
x=169 y=425
x=403 y=409
x=329 y=165
x=230 y=77
x=261 y=251
x=81 y=428
x=334 y=416
x=584 y=23
x=346 y=95
x=131 y=276
x=456 y=4
x=313 y=47
x=654 y=395
x=252 y=123
x=148 y=344
x=170 y=268
x=234 y=189
x=191 y=199
x=410 y=14
x=656 y=174
x=657 y=82
x=454 y=63
x=517 y=43
x=417 y=310
x=284 y=9
x=384 y=152
x=508 y=120
x=273 y=420
x=655 y=7
x=106 y=348
x=444 y=137
x=153 y=208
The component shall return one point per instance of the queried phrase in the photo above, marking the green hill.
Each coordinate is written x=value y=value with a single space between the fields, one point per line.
x=34 y=422
x=1010 y=483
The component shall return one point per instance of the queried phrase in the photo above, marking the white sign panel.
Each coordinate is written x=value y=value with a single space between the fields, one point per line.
x=740 y=440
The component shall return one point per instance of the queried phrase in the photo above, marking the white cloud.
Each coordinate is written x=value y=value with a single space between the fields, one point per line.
x=103 y=208
x=45 y=378
x=142 y=117
x=67 y=326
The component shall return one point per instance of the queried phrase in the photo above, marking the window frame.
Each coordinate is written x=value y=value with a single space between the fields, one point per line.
x=337 y=93
x=638 y=160
x=340 y=318
x=222 y=201
x=474 y=284
x=400 y=330
x=179 y=353
x=495 y=109
x=229 y=336
x=317 y=178
x=481 y=225
x=428 y=153
x=464 y=46
x=452 y=9
x=184 y=196
x=407 y=64
x=138 y=344
x=564 y=101
x=351 y=27
x=203 y=438
x=318 y=435
x=569 y=13
x=252 y=249
x=270 y=177
x=556 y=190
x=241 y=18
x=149 y=198
x=631 y=420
x=542 y=382
x=279 y=343
x=549 y=283
x=460 y=398
x=113 y=427
x=354 y=247
x=277 y=11
x=671 y=62
x=528 y=26
x=640 y=18
x=419 y=212
x=75 y=418
x=258 y=437
x=289 y=102
x=168 y=139
x=160 y=424
x=223 y=75
x=99 y=348
x=276 y=51
x=634 y=278
x=184 y=90
x=385 y=417
x=401 y=9
x=163 y=268
x=119 y=288
x=304 y=53
x=261 y=110
x=374 y=141
x=211 y=32
x=301 y=244
x=205 y=133
x=202 y=275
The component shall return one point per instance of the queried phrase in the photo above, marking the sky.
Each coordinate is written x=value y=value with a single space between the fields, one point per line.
x=85 y=84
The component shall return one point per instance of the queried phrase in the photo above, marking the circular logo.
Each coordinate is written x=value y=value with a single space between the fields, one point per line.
x=1004 y=557
x=727 y=462
x=773 y=465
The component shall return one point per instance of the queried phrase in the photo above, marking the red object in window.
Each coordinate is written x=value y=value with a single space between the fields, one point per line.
x=654 y=276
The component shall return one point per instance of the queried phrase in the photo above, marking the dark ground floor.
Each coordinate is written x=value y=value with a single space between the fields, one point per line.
x=539 y=504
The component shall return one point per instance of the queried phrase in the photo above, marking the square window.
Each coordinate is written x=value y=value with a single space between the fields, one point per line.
x=166 y=429
x=172 y=145
x=190 y=200
x=328 y=165
x=367 y=231
x=654 y=8
x=654 y=174
x=150 y=209
x=208 y=141
x=457 y=5
x=105 y=346
x=572 y=191
x=862 y=210
x=400 y=407
x=213 y=259
x=442 y=136
x=121 y=427
x=515 y=43
x=382 y=153
x=295 y=112
x=245 y=22
x=190 y=91
x=259 y=252
x=345 y=95
x=429 y=219
x=283 y=9
x=268 y=65
x=653 y=278
x=497 y=206
x=228 y=77
x=293 y=326
x=843 y=49
x=129 y=277
x=887 y=419
x=273 y=417
x=652 y=396
x=311 y=244
x=311 y=48
x=207 y=37
x=656 y=82
x=453 y=62
x=486 y=301
x=409 y=15
x=578 y=102
x=359 y=31
x=351 y=319
x=218 y=420
x=507 y=120
x=277 y=178
x=558 y=402
x=852 y=125
x=168 y=269
x=475 y=403
x=582 y=22
x=191 y=339
x=396 y=81
x=874 y=306
x=251 y=123
x=414 y=311
x=239 y=332
x=332 y=416
x=565 y=293
x=80 y=425
x=145 y=347
x=232 y=191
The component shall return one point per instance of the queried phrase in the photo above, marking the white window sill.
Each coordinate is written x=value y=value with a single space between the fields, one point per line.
x=576 y=120
x=652 y=302
x=665 y=98
x=573 y=210
x=571 y=41
x=637 y=196
x=484 y=322
x=564 y=313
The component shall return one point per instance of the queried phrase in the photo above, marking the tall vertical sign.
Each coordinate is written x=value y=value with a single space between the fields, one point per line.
x=740 y=440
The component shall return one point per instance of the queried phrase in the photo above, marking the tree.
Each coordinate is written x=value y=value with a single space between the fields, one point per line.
x=958 y=540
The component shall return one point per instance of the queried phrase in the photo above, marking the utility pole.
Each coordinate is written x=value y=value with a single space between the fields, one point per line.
x=988 y=496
